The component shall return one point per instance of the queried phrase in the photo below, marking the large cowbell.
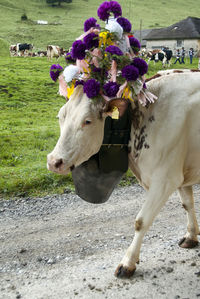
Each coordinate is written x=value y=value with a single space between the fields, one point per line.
x=96 y=178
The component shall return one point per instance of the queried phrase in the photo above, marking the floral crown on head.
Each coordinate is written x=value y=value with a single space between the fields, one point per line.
x=104 y=60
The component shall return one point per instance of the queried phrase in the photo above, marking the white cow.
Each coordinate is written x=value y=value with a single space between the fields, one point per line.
x=165 y=150
x=53 y=51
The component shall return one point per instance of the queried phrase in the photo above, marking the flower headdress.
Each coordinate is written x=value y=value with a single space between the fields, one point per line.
x=104 y=60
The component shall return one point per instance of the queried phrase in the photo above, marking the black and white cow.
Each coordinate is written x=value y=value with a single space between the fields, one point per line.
x=157 y=55
x=22 y=49
x=168 y=55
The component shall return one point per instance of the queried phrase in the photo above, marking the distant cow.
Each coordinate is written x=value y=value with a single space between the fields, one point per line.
x=168 y=55
x=22 y=49
x=157 y=55
x=54 y=51
x=13 y=50
x=42 y=53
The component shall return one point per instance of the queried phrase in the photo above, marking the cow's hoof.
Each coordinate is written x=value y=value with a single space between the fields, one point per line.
x=187 y=243
x=124 y=272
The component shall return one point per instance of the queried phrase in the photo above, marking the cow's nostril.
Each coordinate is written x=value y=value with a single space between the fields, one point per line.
x=58 y=163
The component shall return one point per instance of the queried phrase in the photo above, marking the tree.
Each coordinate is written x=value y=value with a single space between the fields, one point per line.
x=57 y=1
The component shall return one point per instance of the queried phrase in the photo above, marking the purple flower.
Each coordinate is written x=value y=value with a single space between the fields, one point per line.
x=78 y=50
x=79 y=82
x=91 y=40
x=89 y=23
x=114 y=50
x=55 y=71
x=141 y=65
x=135 y=44
x=130 y=72
x=106 y=8
x=125 y=24
x=91 y=88
x=111 y=89
x=103 y=11
x=68 y=57
x=115 y=8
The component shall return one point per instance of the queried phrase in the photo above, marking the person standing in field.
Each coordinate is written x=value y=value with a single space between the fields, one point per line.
x=182 y=55
x=178 y=56
x=191 y=54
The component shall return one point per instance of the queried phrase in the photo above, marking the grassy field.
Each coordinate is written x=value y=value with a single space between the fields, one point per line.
x=28 y=126
x=72 y=16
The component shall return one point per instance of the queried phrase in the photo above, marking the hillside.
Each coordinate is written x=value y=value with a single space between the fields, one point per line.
x=71 y=17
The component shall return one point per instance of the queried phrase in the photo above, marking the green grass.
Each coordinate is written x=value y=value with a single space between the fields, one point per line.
x=72 y=16
x=29 y=129
x=28 y=126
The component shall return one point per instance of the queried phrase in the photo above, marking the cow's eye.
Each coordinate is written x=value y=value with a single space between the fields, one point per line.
x=87 y=122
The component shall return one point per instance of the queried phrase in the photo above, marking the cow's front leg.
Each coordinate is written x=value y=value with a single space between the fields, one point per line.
x=156 y=197
x=190 y=239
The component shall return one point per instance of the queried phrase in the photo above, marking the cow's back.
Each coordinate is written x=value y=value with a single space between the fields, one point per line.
x=172 y=126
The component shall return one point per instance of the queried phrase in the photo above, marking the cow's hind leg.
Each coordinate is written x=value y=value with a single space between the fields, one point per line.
x=190 y=240
x=156 y=197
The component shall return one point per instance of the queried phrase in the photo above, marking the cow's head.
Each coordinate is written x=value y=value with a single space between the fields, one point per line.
x=81 y=131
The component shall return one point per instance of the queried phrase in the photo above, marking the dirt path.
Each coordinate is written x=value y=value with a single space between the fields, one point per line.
x=62 y=247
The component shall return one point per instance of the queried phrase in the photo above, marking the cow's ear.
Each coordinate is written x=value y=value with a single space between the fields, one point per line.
x=120 y=104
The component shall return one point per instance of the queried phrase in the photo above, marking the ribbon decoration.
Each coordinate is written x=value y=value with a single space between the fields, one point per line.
x=62 y=86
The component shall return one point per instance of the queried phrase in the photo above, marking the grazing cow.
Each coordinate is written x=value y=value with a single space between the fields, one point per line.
x=23 y=49
x=54 y=51
x=168 y=55
x=13 y=50
x=157 y=55
x=164 y=149
x=42 y=53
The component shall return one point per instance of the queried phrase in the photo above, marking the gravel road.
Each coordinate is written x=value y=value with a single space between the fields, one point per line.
x=61 y=247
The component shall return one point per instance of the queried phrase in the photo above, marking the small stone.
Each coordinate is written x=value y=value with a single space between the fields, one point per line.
x=193 y=264
x=24 y=264
x=23 y=250
x=51 y=261
x=169 y=269
x=197 y=274
x=91 y=287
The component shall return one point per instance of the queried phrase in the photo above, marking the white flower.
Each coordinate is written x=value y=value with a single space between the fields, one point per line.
x=70 y=72
x=113 y=26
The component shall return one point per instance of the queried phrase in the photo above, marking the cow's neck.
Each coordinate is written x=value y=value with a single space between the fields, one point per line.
x=141 y=117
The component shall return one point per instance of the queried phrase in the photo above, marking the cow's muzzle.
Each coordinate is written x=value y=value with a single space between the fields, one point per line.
x=57 y=165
